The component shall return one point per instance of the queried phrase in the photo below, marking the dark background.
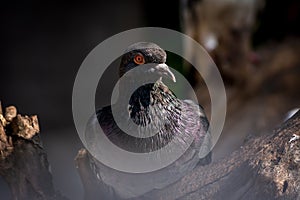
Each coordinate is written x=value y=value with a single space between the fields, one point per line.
x=43 y=43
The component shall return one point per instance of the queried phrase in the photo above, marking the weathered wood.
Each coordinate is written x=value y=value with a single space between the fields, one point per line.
x=25 y=127
x=5 y=141
x=10 y=113
x=23 y=161
x=265 y=167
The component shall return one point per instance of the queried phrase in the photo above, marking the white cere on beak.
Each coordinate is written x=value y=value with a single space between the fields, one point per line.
x=164 y=71
x=159 y=69
x=210 y=42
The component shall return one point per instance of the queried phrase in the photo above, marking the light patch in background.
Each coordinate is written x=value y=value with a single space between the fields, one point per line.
x=210 y=42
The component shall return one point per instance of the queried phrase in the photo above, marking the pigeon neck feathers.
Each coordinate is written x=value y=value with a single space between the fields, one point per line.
x=152 y=103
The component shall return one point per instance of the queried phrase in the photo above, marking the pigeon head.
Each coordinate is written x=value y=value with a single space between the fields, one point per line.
x=149 y=63
x=145 y=53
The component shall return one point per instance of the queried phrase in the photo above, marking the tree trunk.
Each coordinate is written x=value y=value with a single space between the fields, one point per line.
x=23 y=161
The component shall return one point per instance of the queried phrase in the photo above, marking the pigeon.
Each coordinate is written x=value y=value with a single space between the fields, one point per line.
x=151 y=105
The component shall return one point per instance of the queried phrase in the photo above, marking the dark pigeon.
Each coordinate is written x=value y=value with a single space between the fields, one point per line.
x=152 y=104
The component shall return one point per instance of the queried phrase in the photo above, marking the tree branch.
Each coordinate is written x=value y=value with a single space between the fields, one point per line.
x=23 y=161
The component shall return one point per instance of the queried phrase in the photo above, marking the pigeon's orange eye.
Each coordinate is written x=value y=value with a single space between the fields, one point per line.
x=139 y=59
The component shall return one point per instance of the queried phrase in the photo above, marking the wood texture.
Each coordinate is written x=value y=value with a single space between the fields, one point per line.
x=23 y=161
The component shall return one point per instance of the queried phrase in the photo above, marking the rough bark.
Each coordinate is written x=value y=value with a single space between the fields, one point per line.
x=23 y=161
x=266 y=167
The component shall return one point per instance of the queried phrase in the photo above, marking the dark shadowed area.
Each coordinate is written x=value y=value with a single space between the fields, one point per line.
x=42 y=46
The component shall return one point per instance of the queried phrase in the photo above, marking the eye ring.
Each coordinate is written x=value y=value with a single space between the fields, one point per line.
x=139 y=59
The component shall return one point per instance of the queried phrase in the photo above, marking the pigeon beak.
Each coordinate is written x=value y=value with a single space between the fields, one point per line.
x=164 y=71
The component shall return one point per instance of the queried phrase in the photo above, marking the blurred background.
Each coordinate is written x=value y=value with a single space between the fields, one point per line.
x=255 y=44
